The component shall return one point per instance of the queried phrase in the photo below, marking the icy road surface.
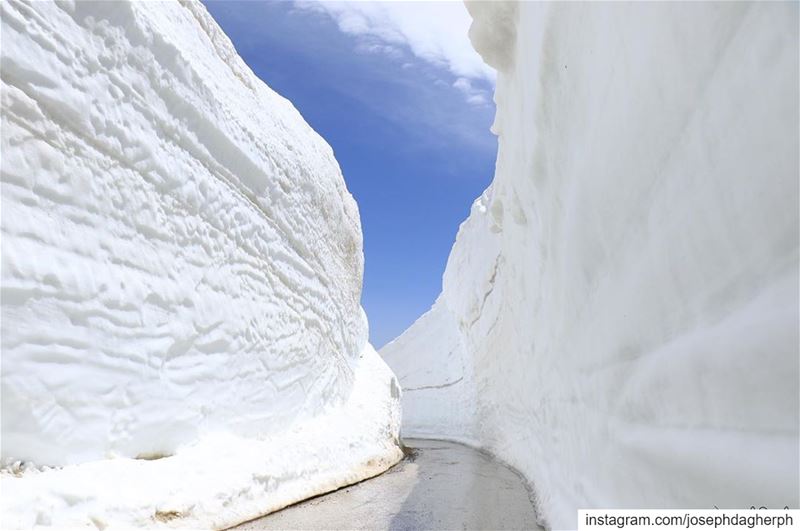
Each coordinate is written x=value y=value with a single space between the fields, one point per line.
x=440 y=485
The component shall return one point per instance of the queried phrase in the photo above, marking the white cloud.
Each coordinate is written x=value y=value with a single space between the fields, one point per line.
x=435 y=32
x=386 y=49
x=473 y=95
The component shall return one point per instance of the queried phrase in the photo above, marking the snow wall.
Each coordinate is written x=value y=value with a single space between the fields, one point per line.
x=182 y=337
x=619 y=313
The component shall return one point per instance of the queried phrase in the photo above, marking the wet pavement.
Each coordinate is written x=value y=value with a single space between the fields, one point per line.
x=439 y=485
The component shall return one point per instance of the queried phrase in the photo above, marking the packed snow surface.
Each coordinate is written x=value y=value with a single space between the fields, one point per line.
x=182 y=337
x=619 y=314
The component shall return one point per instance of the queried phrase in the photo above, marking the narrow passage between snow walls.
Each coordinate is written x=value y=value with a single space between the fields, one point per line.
x=619 y=313
x=182 y=338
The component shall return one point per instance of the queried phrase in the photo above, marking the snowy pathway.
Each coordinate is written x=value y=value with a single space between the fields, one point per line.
x=441 y=485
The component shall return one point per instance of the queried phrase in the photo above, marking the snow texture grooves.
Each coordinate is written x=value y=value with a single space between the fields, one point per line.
x=181 y=263
x=623 y=299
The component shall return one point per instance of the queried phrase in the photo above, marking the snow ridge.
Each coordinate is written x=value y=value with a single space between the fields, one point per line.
x=182 y=264
x=623 y=299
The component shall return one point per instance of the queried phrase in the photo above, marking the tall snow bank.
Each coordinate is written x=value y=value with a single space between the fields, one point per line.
x=621 y=306
x=181 y=277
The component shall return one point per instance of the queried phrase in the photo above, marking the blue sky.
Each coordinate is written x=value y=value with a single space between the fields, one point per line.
x=407 y=116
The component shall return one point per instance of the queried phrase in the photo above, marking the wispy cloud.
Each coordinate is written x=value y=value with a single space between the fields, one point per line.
x=474 y=95
x=435 y=32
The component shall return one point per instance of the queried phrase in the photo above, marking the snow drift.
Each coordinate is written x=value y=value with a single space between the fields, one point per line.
x=182 y=336
x=619 y=313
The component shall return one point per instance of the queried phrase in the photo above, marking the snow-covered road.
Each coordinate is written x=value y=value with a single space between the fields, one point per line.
x=440 y=485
